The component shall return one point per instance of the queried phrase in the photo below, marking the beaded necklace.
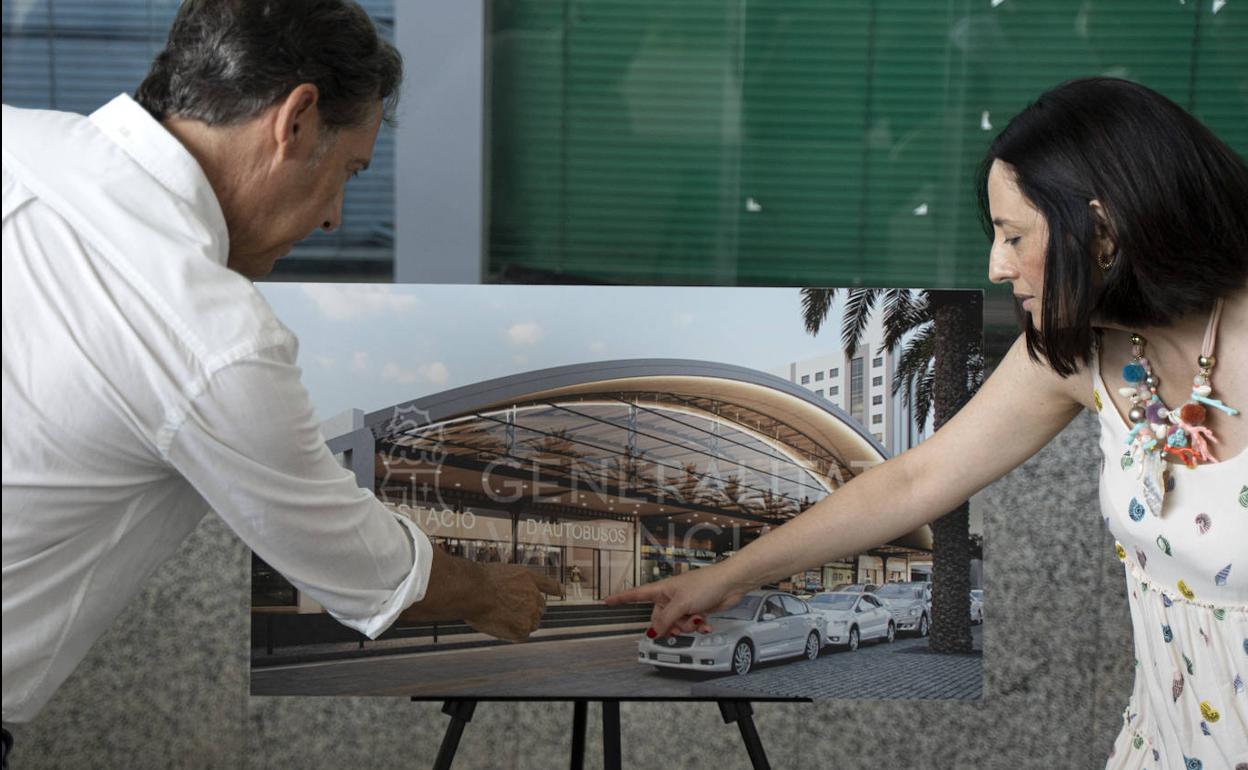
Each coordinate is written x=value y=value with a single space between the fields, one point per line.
x=1160 y=434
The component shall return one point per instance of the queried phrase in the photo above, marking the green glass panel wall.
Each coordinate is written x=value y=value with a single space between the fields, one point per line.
x=1219 y=74
x=797 y=141
x=806 y=70
x=648 y=155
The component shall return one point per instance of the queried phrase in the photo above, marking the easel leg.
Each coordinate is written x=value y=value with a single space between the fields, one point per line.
x=579 y=719
x=739 y=711
x=611 y=735
x=460 y=712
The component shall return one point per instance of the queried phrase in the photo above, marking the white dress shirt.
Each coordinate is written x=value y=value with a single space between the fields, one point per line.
x=144 y=384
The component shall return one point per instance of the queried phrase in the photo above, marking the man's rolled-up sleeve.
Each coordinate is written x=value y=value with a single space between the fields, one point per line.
x=251 y=445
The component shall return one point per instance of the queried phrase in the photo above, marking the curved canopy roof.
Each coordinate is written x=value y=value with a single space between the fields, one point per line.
x=688 y=441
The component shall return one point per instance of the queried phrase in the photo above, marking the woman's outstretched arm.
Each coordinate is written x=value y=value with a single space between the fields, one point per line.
x=1016 y=412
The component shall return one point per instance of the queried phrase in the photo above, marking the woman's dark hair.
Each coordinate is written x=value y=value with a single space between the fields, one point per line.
x=228 y=60
x=1175 y=197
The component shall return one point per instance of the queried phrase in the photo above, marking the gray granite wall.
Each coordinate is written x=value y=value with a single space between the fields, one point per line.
x=167 y=686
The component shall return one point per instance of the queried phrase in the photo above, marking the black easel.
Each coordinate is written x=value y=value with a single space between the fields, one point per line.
x=460 y=712
x=739 y=711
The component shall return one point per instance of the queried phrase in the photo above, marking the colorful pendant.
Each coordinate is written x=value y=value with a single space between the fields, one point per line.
x=1160 y=435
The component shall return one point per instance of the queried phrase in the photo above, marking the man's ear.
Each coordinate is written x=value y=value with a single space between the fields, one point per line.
x=297 y=126
x=1106 y=241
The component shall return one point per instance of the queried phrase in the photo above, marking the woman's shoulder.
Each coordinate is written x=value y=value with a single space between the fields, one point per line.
x=1042 y=381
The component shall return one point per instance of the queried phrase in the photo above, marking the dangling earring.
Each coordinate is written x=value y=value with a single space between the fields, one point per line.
x=1106 y=261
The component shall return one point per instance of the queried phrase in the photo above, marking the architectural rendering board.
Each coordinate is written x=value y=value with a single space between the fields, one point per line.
x=608 y=437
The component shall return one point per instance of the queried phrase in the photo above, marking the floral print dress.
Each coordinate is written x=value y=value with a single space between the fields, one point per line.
x=1187 y=587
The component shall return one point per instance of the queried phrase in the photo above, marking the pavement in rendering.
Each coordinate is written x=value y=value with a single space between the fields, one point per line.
x=607 y=667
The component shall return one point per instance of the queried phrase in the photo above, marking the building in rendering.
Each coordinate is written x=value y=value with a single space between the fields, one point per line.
x=862 y=387
x=628 y=471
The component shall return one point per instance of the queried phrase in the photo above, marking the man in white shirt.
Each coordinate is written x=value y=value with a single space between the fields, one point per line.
x=145 y=379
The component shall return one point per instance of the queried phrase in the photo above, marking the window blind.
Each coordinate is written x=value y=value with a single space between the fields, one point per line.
x=795 y=141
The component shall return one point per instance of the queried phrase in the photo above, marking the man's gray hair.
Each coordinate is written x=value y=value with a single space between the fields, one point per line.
x=226 y=61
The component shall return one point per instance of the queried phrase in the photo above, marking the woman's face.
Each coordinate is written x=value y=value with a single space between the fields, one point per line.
x=1019 y=239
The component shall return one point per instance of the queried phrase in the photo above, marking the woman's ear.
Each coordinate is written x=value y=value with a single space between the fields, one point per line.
x=1106 y=241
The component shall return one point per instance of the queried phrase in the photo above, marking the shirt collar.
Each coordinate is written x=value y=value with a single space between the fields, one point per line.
x=135 y=131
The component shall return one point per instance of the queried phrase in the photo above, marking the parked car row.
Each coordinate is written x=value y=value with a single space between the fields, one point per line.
x=905 y=595
x=771 y=625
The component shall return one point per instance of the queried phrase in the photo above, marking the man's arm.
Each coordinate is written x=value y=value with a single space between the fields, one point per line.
x=250 y=444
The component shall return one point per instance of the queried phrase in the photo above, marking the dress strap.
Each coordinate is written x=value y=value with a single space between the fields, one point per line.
x=1100 y=390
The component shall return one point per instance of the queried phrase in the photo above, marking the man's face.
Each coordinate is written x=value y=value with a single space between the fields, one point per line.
x=300 y=192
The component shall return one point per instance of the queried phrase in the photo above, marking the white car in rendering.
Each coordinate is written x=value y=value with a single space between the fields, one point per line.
x=977 y=606
x=764 y=625
x=854 y=617
x=855 y=587
x=910 y=603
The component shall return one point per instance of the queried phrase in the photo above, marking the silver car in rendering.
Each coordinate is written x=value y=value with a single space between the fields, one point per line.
x=853 y=617
x=910 y=603
x=977 y=606
x=764 y=625
x=855 y=587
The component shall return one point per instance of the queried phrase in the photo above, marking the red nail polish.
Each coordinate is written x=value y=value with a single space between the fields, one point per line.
x=697 y=621
x=650 y=632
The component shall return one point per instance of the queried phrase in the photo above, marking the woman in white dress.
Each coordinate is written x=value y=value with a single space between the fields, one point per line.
x=1122 y=224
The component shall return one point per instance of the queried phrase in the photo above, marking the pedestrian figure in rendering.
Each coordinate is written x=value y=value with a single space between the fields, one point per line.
x=147 y=381
x=1122 y=224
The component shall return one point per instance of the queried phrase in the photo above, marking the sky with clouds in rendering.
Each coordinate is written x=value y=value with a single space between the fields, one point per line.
x=370 y=346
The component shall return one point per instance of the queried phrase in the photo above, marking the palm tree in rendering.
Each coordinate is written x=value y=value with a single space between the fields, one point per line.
x=940 y=367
